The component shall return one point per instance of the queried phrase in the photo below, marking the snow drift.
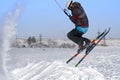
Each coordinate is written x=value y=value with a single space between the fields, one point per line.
x=8 y=33
x=55 y=71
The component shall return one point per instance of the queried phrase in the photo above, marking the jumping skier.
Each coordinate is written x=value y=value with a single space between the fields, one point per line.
x=79 y=18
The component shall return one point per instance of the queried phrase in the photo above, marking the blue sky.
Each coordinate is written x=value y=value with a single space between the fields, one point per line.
x=46 y=18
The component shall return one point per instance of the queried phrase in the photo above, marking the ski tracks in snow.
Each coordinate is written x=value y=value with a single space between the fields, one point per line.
x=55 y=71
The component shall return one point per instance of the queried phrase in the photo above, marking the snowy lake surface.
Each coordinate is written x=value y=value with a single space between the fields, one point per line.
x=102 y=63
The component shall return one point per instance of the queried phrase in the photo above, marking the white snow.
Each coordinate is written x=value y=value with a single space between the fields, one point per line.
x=113 y=42
x=7 y=36
x=49 y=64
x=55 y=71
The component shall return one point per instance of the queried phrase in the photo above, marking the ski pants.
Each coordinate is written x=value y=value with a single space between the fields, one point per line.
x=76 y=36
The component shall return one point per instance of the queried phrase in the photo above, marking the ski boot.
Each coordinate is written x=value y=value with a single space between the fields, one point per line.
x=84 y=45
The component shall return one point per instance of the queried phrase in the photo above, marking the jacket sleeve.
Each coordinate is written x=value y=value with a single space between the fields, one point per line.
x=72 y=18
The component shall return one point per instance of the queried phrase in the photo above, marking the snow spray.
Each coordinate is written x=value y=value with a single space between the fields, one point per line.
x=8 y=34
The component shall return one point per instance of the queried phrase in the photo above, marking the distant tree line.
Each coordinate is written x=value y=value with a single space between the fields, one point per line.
x=31 y=40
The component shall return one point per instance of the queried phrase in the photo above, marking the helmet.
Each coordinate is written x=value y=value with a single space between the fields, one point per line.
x=69 y=4
x=76 y=4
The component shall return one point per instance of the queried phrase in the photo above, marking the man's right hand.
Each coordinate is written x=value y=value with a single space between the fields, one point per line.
x=66 y=12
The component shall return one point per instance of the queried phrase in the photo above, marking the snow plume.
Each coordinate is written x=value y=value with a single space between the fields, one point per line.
x=55 y=71
x=8 y=35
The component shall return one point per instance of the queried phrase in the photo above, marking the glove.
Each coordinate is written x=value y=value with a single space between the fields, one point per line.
x=66 y=12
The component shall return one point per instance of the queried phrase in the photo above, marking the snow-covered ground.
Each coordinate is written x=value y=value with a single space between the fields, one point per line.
x=49 y=64
x=113 y=42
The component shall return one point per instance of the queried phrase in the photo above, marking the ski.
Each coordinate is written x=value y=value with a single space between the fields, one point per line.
x=79 y=51
x=92 y=46
x=75 y=55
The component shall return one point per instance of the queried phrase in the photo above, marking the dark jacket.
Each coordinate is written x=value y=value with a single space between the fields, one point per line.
x=79 y=17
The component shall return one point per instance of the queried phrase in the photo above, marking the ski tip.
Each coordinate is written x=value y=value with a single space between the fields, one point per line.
x=109 y=28
x=76 y=65
x=67 y=62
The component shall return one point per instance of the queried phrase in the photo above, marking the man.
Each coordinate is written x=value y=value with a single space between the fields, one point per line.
x=79 y=18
